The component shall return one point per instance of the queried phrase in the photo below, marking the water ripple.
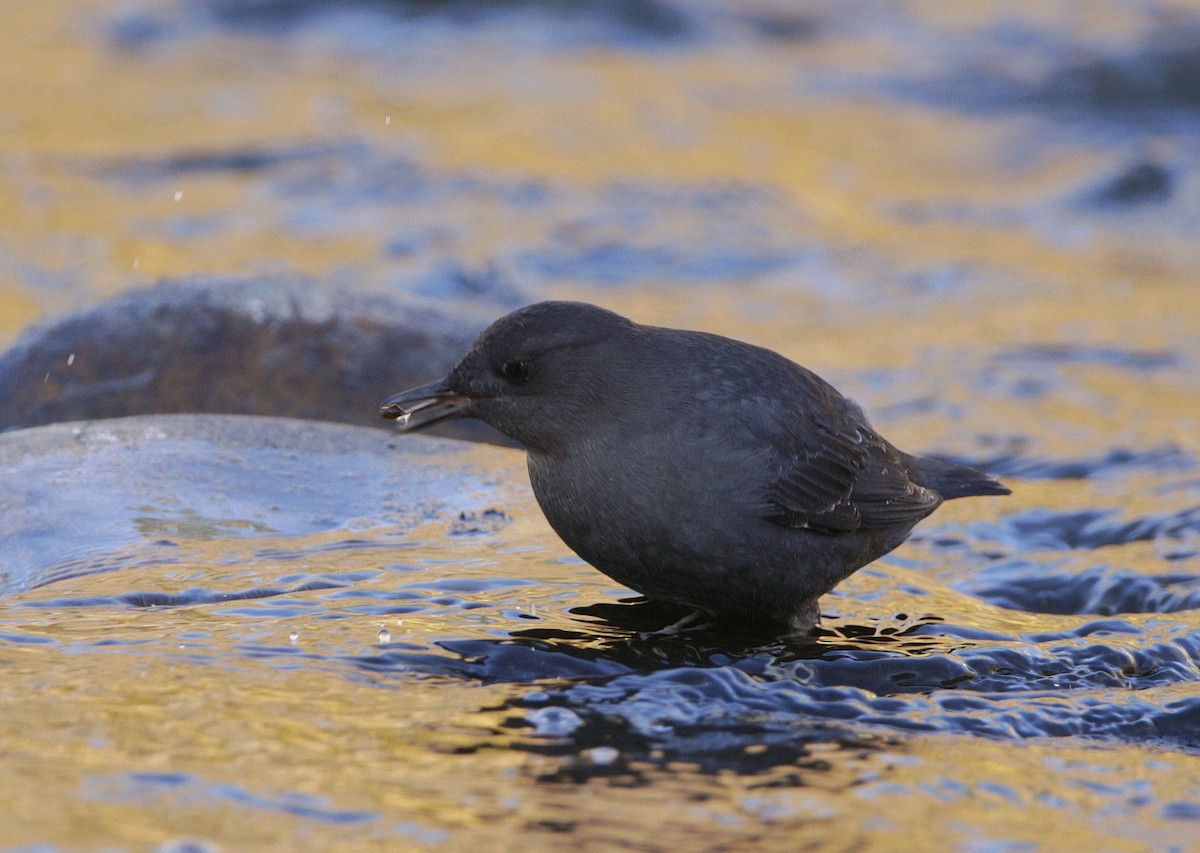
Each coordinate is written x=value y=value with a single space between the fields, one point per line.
x=1043 y=528
x=1104 y=590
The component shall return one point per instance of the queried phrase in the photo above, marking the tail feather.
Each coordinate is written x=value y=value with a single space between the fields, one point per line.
x=951 y=480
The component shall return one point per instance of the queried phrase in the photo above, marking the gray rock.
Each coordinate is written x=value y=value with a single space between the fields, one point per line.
x=99 y=496
x=285 y=347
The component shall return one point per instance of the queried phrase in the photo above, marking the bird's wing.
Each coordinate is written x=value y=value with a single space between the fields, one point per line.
x=840 y=475
x=825 y=468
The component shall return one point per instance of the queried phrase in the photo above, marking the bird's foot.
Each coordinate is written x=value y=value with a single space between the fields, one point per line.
x=675 y=628
x=806 y=620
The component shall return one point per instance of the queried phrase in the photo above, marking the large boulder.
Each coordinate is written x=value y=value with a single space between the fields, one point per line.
x=286 y=347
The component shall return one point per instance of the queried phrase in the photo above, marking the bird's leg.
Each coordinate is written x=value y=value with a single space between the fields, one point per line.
x=674 y=628
x=806 y=618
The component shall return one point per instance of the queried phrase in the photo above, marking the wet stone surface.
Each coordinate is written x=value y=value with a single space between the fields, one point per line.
x=279 y=346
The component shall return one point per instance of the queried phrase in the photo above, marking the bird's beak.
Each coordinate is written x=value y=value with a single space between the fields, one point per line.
x=419 y=407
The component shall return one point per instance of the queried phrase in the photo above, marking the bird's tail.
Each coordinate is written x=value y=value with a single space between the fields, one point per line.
x=951 y=480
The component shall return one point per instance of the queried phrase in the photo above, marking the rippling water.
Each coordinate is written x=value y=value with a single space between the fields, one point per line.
x=980 y=223
x=409 y=672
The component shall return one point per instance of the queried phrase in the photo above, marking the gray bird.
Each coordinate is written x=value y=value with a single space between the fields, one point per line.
x=690 y=467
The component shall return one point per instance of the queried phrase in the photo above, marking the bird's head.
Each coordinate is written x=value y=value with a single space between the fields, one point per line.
x=537 y=375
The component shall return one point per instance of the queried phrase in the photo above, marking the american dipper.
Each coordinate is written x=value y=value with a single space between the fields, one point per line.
x=691 y=467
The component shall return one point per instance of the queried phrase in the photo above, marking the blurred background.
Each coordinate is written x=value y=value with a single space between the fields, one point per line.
x=771 y=163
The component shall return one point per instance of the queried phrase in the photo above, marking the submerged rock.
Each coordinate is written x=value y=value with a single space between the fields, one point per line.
x=95 y=497
x=285 y=347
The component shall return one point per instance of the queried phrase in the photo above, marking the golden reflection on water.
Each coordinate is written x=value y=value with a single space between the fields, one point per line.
x=419 y=762
x=686 y=116
x=190 y=722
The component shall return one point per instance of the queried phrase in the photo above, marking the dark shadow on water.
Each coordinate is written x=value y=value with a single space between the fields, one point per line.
x=1100 y=590
x=725 y=697
x=1087 y=529
x=714 y=696
x=1116 y=462
x=627 y=638
x=597 y=745
x=1139 y=361
x=649 y=20
x=187 y=598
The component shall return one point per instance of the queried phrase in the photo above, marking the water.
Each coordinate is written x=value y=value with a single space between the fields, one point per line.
x=287 y=661
x=980 y=223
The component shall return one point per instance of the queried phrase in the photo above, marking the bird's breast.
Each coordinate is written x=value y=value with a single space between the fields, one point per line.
x=646 y=502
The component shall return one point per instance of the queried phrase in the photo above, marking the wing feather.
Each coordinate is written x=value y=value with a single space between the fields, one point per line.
x=841 y=476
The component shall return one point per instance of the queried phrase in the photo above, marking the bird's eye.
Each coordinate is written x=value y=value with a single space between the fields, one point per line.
x=516 y=371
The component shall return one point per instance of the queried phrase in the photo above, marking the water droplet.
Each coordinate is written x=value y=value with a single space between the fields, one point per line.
x=294 y=637
x=553 y=721
x=387 y=119
x=178 y=195
x=70 y=359
x=385 y=636
x=602 y=756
